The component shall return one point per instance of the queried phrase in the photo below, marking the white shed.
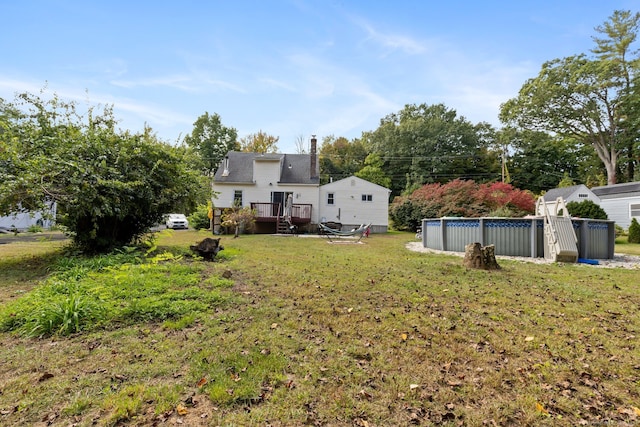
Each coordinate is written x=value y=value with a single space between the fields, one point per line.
x=354 y=201
x=574 y=193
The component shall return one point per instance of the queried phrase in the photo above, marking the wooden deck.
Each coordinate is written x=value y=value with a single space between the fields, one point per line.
x=274 y=212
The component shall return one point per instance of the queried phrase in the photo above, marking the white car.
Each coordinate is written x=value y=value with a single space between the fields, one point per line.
x=177 y=221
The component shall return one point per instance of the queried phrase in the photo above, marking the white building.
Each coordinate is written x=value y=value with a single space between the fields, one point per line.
x=574 y=193
x=621 y=202
x=265 y=182
x=354 y=201
x=23 y=220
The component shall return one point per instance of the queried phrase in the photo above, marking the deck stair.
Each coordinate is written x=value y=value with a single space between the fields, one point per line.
x=560 y=241
x=283 y=226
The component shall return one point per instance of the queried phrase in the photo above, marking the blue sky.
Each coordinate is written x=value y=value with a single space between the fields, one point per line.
x=291 y=68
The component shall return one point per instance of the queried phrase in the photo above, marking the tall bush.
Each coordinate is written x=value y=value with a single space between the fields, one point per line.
x=110 y=186
x=634 y=231
x=586 y=209
x=199 y=219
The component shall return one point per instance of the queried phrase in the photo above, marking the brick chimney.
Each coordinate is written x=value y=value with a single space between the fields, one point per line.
x=314 y=158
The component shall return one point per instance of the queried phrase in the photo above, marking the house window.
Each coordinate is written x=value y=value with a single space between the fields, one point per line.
x=634 y=210
x=583 y=195
x=237 y=198
x=330 y=199
x=367 y=197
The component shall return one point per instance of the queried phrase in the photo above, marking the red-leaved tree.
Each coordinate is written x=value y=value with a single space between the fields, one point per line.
x=460 y=198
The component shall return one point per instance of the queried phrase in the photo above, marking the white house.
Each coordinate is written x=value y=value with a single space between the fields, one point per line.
x=621 y=202
x=23 y=220
x=353 y=201
x=574 y=193
x=265 y=182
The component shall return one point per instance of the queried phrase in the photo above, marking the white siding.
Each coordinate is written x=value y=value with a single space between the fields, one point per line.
x=266 y=172
x=349 y=208
x=254 y=193
x=22 y=221
x=618 y=209
x=581 y=194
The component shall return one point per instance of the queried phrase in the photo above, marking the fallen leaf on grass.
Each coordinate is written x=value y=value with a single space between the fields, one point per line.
x=120 y=377
x=202 y=382
x=404 y=337
x=541 y=409
x=181 y=409
x=366 y=395
x=529 y=339
x=633 y=411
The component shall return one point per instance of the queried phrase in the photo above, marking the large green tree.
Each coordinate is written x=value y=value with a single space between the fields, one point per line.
x=613 y=50
x=259 y=142
x=212 y=141
x=110 y=186
x=431 y=143
x=583 y=98
x=372 y=171
x=538 y=160
x=340 y=158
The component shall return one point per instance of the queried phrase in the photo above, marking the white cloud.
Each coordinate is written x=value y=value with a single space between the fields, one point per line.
x=184 y=83
x=277 y=84
x=392 y=42
x=135 y=113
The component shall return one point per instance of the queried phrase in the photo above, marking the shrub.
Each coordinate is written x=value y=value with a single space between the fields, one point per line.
x=405 y=214
x=199 y=219
x=634 y=231
x=239 y=219
x=586 y=209
x=34 y=229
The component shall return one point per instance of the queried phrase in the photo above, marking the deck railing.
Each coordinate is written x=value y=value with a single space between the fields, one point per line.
x=271 y=212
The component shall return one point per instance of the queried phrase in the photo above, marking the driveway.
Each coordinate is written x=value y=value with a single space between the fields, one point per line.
x=31 y=237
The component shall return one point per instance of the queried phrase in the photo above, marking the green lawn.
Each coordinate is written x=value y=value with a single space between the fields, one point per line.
x=289 y=331
x=624 y=247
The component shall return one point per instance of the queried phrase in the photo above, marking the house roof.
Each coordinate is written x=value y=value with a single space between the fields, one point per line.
x=607 y=190
x=363 y=181
x=237 y=167
x=564 y=192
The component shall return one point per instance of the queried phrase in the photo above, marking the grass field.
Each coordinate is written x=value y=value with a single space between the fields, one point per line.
x=289 y=331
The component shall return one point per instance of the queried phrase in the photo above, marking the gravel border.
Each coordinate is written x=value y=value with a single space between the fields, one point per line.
x=618 y=261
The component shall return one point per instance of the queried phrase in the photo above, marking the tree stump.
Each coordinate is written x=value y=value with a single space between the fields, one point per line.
x=208 y=248
x=481 y=257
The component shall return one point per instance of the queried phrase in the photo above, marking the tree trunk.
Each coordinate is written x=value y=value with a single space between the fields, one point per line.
x=481 y=257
